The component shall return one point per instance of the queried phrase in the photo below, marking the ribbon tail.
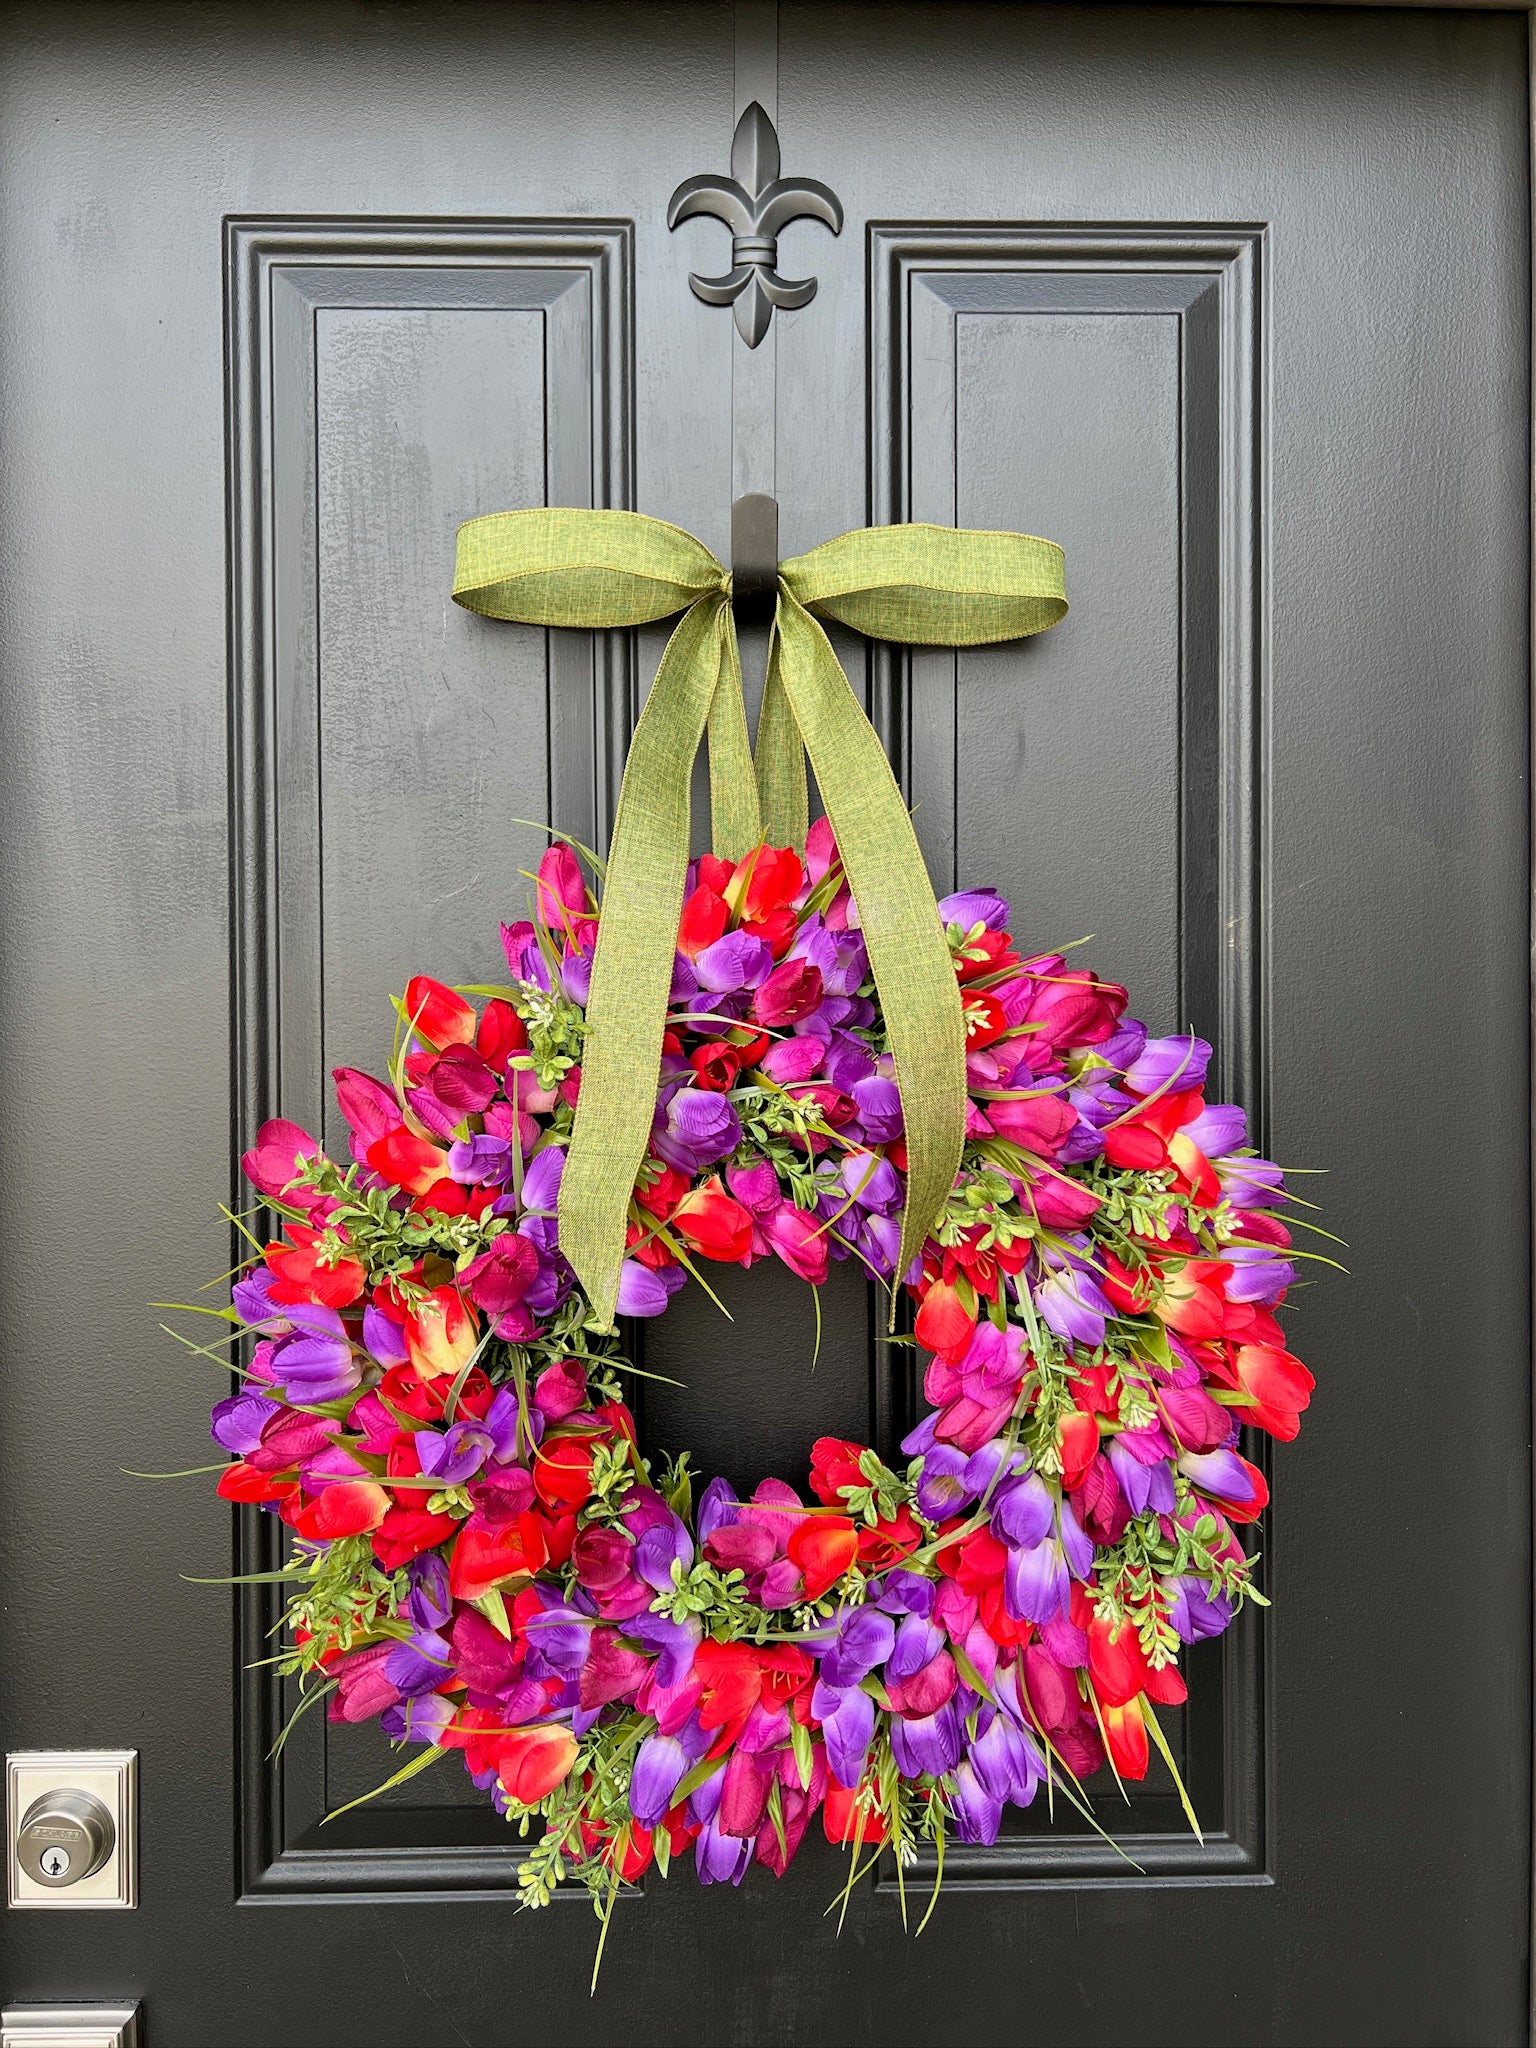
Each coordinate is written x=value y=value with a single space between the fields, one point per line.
x=735 y=823
x=780 y=758
x=908 y=952
x=636 y=946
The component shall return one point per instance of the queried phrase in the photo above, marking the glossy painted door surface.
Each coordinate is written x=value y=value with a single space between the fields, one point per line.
x=1232 y=302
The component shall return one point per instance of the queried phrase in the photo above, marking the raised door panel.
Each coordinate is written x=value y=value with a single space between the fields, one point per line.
x=1101 y=386
x=396 y=757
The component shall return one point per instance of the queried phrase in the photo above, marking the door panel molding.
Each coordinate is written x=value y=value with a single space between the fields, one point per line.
x=933 y=290
x=324 y=315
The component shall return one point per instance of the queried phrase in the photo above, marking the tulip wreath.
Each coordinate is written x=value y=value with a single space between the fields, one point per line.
x=433 y=1402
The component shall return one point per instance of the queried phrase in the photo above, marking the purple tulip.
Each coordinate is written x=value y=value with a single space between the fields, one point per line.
x=383 y=1338
x=870 y=1181
x=1023 y=1513
x=1250 y=1183
x=237 y=1423
x=847 y=1717
x=933 y=1743
x=1074 y=1305
x=917 y=1643
x=864 y=1639
x=740 y=960
x=541 y=1182
x=480 y=1161
x=316 y=1366
x=978 y=1813
x=1036 y=1583
x=720 y=1858
x=718 y=1508
x=661 y=1763
x=1257 y=1274
x=878 y=1102
x=672 y=1643
x=975 y=906
x=254 y=1304
x=851 y=971
x=1196 y=1611
x=658 y=1549
x=1221 y=1474
x=576 y=977
x=1219 y=1128
x=429 y=1603
x=847 y=1061
x=1137 y=1480
x=904 y=1592
x=941 y=1488
x=420 y=1664
x=421 y=1719
x=700 y=1128
x=644 y=1291
x=1173 y=1064
x=1077 y=1548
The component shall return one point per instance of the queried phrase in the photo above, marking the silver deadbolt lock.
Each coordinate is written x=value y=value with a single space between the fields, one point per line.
x=71 y=1818
x=64 y=1836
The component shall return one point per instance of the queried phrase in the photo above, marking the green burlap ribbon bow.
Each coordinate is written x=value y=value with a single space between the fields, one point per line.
x=925 y=584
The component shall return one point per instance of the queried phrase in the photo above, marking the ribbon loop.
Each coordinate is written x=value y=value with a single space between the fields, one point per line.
x=925 y=584
x=935 y=586
x=556 y=567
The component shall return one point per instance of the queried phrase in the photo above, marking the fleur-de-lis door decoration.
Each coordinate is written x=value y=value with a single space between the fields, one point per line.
x=755 y=203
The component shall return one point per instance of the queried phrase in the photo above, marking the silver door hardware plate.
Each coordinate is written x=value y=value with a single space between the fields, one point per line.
x=70 y=1826
x=70 y=2026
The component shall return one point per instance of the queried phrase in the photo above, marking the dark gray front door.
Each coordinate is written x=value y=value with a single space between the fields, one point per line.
x=1231 y=302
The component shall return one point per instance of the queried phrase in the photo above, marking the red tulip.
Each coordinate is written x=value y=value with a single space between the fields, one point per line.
x=823 y=1546
x=731 y=1679
x=303 y=1275
x=502 y=1032
x=440 y=1337
x=765 y=883
x=406 y=1161
x=1281 y=1387
x=946 y=1321
x=704 y=920
x=346 y=1508
x=406 y=1532
x=483 y=1558
x=845 y=1820
x=716 y=1064
x=1078 y=1440
x=1194 y=1300
x=441 y=1016
x=1125 y=1733
x=531 y=1762
x=562 y=1473
x=244 y=1482
x=985 y=1019
x=713 y=1223
x=887 y=1542
x=835 y=1467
